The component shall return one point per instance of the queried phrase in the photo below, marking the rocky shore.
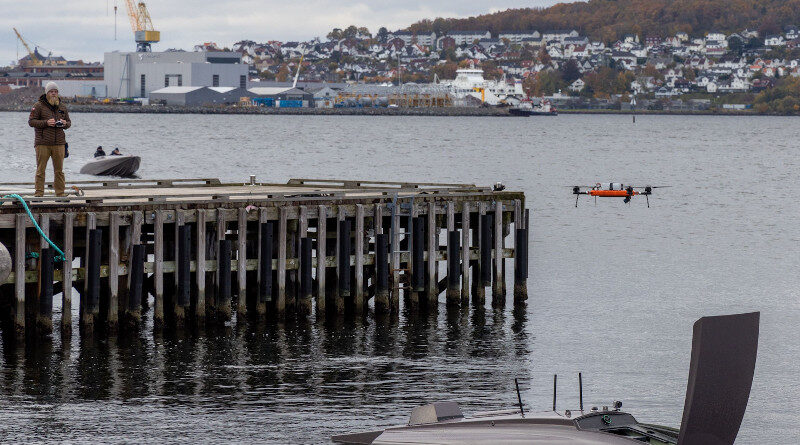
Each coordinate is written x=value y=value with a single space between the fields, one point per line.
x=22 y=100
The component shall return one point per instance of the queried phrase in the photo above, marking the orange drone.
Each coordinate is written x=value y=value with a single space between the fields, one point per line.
x=614 y=190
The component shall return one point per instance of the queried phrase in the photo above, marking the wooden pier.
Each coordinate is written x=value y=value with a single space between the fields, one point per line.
x=206 y=251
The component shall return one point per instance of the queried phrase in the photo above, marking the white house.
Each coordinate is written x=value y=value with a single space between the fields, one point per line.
x=555 y=52
x=749 y=33
x=559 y=34
x=716 y=36
x=774 y=40
x=516 y=37
x=409 y=37
x=577 y=86
x=467 y=37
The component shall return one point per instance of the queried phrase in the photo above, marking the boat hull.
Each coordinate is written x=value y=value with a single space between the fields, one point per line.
x=124 y=165
x=522 y=112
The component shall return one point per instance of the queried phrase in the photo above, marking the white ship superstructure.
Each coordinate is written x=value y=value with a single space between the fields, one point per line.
x=470 y=82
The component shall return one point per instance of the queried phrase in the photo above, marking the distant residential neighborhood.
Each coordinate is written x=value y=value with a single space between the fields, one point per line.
x=660 y=66
x=681 y=71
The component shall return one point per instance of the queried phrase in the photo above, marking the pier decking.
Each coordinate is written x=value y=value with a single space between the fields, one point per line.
x=206 y=250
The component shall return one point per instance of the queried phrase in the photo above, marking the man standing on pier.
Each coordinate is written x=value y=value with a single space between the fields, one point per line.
x=49 y=118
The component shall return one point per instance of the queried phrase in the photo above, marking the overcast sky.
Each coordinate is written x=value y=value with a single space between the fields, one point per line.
x=84 y=29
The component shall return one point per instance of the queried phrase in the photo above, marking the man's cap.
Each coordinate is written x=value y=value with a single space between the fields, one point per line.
x=50 y=86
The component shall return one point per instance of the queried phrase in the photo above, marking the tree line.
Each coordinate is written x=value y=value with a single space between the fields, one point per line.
x=610 y=20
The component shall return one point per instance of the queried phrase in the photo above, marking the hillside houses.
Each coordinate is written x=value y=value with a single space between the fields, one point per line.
x=714 y=63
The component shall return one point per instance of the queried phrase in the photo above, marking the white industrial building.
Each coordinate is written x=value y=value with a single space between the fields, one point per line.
x=137 y=74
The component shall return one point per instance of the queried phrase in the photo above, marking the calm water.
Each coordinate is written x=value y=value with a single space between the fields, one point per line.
x=614 y=288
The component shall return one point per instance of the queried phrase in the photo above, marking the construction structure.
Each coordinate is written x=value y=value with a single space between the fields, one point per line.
x=198 y=251
x=34 y=58
x=143 y=31
x=412 y=95
x=409 y=95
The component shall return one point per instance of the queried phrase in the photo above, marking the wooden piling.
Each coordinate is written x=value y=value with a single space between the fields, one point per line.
x=136 y=274
x=21 y=221
x=222 y=303
x=199 y=303
x=91 y=310
x=158 y=268
x=66 y=293
x=418 y=255
x=520 y=260
x=264 y=264
x=241 y=265
x=486 y=251
x=358 y=298
x=394 y=296
x=183 y=269
x=433 y=252
x=453 y=268
x=498 y=287
x=304 y=303
x=338 y=297
x=305 y=275
x=343 y=257
x=224 y=279
x=465 y=253
x=381 y=274
x=453 y=258
x=322 y=241
x=44 y=312
x=112 y=310
x=44 y=318
x=280 y=303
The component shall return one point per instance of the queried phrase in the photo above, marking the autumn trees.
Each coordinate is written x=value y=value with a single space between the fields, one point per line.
x=783 y=99
x=608 y=21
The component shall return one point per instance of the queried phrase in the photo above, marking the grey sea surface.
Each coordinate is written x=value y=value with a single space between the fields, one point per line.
x=613 y=288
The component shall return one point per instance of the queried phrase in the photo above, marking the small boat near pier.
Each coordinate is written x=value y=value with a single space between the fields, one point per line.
x=113 y=165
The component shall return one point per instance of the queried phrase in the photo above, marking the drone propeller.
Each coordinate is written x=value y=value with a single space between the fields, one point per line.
x=654 y=187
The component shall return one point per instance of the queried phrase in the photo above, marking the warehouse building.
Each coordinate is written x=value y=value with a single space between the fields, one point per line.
x=194 y=96
x=137 y=74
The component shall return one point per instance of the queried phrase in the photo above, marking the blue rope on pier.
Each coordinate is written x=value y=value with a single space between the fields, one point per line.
x=60 y=256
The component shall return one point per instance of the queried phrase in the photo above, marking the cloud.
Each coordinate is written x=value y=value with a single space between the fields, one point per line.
x=84 y=29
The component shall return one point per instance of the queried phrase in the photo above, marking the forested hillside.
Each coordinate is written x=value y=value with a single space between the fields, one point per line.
x=608 y=20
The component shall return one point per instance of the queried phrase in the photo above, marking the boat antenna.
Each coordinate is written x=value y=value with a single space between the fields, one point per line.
x=519 y=399
x=580 y=389
x=555 y=384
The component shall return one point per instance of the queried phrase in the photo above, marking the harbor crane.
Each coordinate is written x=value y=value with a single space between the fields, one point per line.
x=34 y=59
x=143 y=32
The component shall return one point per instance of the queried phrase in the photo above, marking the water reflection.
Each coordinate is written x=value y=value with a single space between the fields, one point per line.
x=297 y=380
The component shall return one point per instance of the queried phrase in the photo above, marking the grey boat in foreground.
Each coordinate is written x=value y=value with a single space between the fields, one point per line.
x=724 y=350
x=112 y=165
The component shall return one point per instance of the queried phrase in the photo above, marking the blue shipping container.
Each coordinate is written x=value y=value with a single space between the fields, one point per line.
x=264 y=101
x=291 y=104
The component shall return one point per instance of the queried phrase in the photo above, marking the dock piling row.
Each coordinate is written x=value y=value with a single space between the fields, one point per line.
x=202 y=260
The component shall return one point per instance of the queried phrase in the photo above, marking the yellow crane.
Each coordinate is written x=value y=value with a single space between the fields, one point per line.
x=143 y=32
x=34 y=60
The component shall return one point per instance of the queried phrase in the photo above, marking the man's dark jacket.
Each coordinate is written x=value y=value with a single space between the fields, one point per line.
x=41 y=112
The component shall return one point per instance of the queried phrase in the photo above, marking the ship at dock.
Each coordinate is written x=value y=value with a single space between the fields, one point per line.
x=527 y=107
x=470 y=83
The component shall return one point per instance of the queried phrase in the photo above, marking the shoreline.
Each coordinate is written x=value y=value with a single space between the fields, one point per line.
x=433 y=112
